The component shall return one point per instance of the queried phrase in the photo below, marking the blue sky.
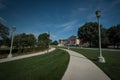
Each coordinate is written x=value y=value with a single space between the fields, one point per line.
x=61 y=18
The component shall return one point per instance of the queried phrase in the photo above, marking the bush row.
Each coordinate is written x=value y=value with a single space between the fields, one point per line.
x=15 y=52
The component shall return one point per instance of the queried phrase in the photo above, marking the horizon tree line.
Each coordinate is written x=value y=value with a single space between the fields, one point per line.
x=86 y=33
x=24 y=41
x=109 y=37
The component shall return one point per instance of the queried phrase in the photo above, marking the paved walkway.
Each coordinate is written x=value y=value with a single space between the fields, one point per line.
x=24 y=56
x=80 y=68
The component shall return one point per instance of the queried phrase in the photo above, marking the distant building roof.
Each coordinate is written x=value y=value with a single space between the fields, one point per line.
x=72 y=37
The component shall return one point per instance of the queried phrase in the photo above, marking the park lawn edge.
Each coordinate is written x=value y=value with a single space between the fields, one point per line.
x=51 y=57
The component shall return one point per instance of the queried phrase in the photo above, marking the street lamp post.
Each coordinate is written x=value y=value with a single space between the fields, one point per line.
x=13 y=30
x=100 y=58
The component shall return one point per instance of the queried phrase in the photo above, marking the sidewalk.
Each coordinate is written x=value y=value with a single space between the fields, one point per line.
x=80 y=68
x=24 y=56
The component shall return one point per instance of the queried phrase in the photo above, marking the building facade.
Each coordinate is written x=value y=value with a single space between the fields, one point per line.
x=71 y=41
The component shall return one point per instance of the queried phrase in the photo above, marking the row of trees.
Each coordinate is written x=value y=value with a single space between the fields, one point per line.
x=29 y=42
x=89 y=33
x=25 y=41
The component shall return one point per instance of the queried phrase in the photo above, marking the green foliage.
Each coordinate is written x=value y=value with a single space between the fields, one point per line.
x=24 y=44
x=89 y=33
x=22 y=41
x=104 y=38
x=85 y=32
x=16 y=52
x=54 y=43
x=43 y=67
x=112 y=65
x=43 y=39
x=114 y=35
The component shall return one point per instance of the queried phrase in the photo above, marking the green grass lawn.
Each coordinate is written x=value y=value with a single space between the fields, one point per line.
x=49 y=66
x=112 y=65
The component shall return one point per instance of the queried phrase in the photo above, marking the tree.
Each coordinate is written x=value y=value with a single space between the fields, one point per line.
x=19 y=40
x=43 y=39
x=4 y=33
x=23 y=40
x=104 y=38
x=89 y=33
x=114 y=35
x=54 y=42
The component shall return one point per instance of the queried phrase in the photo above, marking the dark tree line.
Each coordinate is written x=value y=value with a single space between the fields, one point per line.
x=114 y=35
x=43 y=39
x=28 y=41
x=54 y=43
x=89 y=33
x=24 y=41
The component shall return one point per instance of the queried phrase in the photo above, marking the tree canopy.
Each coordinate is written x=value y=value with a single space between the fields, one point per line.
x=43 y=39
x=24 y=40
x=114 y=35
x=54 y=43
x=89 y=33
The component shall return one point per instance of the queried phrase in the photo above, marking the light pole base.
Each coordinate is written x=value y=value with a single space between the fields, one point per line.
x=9 y=56
x=101 y=59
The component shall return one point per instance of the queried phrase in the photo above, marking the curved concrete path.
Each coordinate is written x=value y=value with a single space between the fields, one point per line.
x=24 y=56
x=80 y=68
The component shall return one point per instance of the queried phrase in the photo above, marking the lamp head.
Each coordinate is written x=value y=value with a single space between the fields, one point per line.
x=98 y=13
